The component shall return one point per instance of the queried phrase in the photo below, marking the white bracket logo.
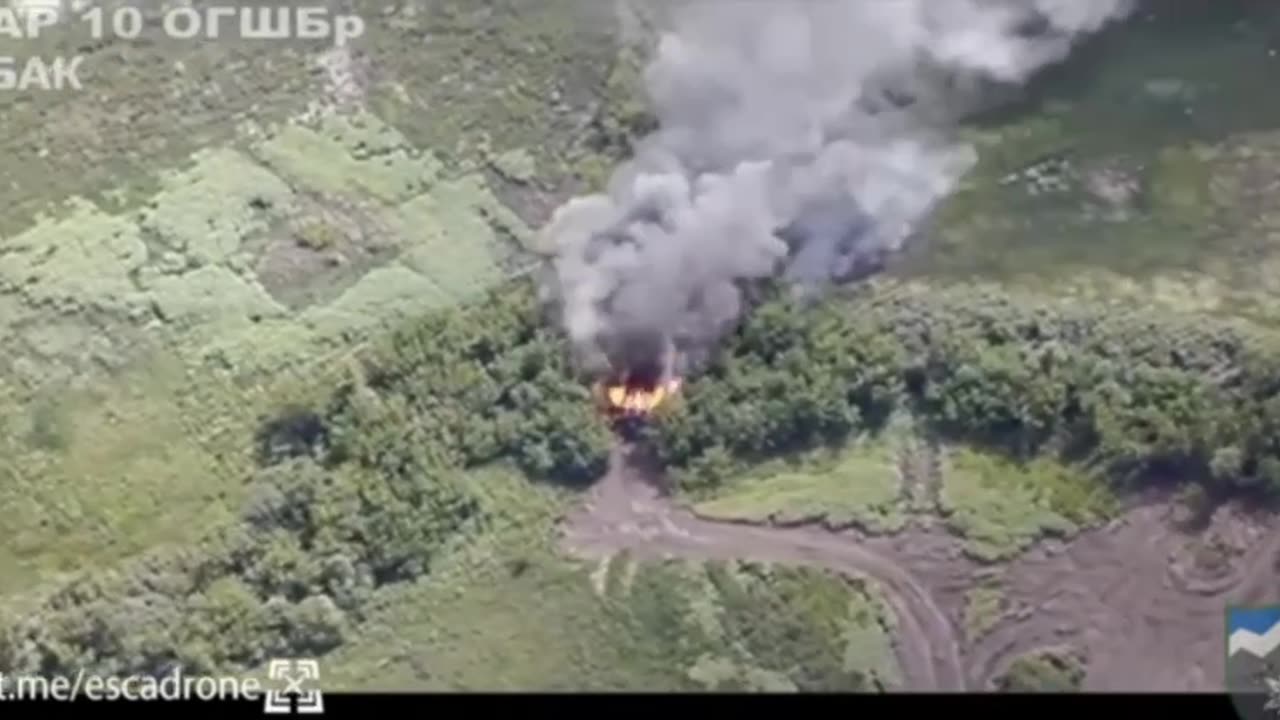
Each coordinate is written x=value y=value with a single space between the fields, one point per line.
x=295 y=673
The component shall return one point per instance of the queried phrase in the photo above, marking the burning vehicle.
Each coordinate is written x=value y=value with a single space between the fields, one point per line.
x=779 y=154
x=641 y=378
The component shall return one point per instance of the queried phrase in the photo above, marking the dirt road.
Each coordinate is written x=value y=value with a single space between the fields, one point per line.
x=1126 y=598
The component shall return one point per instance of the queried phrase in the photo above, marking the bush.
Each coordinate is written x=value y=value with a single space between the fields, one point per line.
x=472 y=386
x=1135 y=395
x=363 y=492
x=353 y=496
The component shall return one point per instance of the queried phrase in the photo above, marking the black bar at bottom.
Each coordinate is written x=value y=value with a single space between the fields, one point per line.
x=1204 y=706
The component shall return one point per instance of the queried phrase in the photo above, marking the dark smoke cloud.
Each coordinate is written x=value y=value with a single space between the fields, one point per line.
x=798 y=137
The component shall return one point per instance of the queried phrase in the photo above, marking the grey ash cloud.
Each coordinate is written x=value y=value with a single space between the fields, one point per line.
x=801 y=138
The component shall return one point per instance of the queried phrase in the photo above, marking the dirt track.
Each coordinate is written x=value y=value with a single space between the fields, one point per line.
x=1118 y=595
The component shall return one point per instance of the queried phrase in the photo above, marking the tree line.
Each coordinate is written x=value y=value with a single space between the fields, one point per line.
x=354 y=494
x=361 y=490
x=1135 y=394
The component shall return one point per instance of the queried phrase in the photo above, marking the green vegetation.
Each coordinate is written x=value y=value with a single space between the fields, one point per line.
x=516 y=166
x=984 y=606
x=1002 y=507
x=1127 y=396
x=63 y=145
x=485 y=621
x=324 y=560
x=346 y=502
x=860 y=487
x=468 y=387
x=1044 y=671
x=1180 y=186
x=455 y=77
x=317 y=235
x=163 y=332
x=512 y=75
x=396 y=510
x=1101 y=172
x=141 y=320
x=99 y=473
x=816 y=629
x=289 y=578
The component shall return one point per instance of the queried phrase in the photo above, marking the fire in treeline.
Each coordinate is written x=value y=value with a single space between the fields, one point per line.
x=796 y=140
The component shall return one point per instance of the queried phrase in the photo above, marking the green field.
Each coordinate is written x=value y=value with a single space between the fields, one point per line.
x=508 y=612
x=984 y=606
x=183 y=260
x=1001 y=508
x=165 y=306
x=1044 y=671
x=861 y=487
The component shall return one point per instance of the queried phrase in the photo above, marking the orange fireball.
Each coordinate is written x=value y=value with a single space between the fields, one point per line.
x=639 y=385
x=633 y=400
x=636 y=400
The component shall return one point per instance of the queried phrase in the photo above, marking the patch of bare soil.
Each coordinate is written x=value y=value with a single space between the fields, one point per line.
x=321 y=251
x=1126 y=596
x=625 y=511
x=1140 y=600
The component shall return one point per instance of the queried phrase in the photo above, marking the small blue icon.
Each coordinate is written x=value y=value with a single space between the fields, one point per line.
x=1253 y=630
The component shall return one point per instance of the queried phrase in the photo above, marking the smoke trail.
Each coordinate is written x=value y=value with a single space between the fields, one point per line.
x=801 y=137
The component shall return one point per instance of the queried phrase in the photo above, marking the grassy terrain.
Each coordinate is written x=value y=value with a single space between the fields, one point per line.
x=983 y=608
x=177 y=301
x=397 y=522
x=506 y=611
x=464 y=80
x=1001 y=508
x=998 y=506
x=860 y=487
x=106 y=473
x=1127 y=174
x=227 y=234
x=196 y=243
x=1043 y=671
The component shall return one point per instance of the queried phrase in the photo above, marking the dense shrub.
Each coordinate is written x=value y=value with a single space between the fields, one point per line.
x=471 y=386
x=363 y=490
x=1132 y=393
x=351 y=496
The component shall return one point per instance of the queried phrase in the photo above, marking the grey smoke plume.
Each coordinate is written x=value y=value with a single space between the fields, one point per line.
x=798 y=137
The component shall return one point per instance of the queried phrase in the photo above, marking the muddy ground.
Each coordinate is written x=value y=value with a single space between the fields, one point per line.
x=1128 y=598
